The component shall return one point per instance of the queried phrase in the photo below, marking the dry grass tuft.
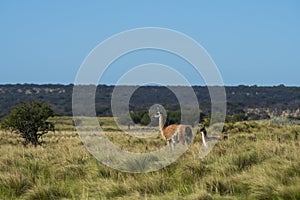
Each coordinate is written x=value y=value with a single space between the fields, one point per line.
x=238 y=168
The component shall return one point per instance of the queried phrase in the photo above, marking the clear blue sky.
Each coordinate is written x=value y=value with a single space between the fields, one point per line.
x=251 y=42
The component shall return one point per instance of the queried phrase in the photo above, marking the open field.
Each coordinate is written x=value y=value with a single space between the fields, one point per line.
x=259 y=161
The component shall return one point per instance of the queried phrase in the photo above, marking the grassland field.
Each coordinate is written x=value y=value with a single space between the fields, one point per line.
x=260 y=160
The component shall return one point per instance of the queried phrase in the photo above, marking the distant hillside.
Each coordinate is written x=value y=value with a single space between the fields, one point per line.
x=261 y=102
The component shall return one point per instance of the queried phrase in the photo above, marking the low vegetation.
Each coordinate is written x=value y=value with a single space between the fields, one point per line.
x=260 y=160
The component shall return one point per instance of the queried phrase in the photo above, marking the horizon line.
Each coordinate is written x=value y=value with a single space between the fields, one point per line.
x=150 y=85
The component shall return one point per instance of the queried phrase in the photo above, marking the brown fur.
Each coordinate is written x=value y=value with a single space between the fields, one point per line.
x=169 y=131
x=224 y=136
x=175 y=133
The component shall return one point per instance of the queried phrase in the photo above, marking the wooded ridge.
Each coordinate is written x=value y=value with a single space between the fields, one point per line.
x=255 y=101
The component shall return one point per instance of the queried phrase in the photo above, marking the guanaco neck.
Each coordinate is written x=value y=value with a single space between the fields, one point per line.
x=161 y=125
x=203 y=139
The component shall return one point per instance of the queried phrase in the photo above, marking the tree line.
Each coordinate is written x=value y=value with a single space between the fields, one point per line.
x=240 y=99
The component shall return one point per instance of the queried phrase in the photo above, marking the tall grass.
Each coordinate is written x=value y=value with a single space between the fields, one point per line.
x=238 y=168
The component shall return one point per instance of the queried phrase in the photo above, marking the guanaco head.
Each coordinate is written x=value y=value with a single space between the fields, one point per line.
x=158 y=114
x=203 y=130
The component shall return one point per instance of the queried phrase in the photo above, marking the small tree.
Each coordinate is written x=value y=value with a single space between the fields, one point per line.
x=145 y=119
x=30 y=121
